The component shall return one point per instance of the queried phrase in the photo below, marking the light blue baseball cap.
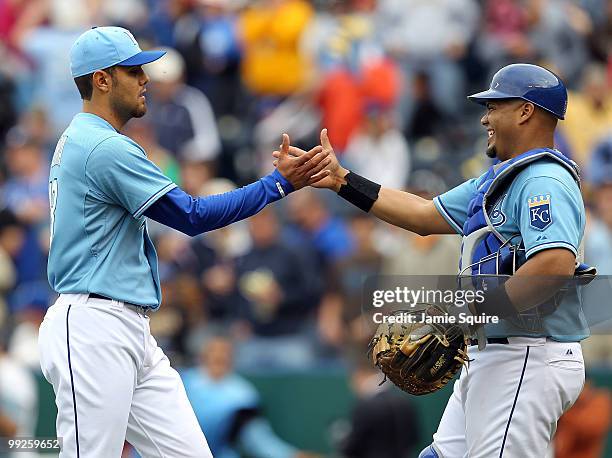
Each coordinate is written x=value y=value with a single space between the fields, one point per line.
x=103 y=47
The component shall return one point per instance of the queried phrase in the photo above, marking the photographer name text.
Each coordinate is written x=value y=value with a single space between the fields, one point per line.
x=460 y=318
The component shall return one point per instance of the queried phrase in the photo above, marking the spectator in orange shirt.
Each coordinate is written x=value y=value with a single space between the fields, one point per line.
x=582 y=430
x=344 y=96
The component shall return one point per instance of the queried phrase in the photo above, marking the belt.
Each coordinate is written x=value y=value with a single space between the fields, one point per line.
x=491 y=340
x=100 y=296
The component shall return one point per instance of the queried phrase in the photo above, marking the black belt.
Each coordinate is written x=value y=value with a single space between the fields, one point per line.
x=99 y=296
x=491 y=340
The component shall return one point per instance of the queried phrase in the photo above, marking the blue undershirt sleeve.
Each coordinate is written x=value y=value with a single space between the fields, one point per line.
x=195 y=215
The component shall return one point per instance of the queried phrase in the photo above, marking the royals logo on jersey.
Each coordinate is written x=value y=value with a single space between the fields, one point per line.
x=496 y=215
x=540 y=216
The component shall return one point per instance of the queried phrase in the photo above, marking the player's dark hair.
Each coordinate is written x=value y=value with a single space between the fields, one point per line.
x=85 y=83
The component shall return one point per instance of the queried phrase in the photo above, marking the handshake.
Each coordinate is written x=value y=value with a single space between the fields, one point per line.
x=318 y=167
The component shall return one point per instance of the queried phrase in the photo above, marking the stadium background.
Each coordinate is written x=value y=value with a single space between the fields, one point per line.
x=389 y=80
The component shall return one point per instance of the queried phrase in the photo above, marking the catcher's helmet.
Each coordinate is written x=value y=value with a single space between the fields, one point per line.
x=528 y=82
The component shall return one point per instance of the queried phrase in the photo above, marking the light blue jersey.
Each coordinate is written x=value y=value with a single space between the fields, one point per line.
x=542 y=208
x=558 y=220
x=100 y=184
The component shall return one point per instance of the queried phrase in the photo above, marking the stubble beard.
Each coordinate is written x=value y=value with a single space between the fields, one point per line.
x=125 y=111
x=139 y=110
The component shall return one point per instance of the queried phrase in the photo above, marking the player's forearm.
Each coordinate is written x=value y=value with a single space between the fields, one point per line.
x=399 y=208
x=540 y=278
x=410 y=212
x=195 y=215
x=534 y=283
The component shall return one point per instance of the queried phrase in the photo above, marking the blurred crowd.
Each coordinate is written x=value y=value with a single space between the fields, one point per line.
x=388 y=78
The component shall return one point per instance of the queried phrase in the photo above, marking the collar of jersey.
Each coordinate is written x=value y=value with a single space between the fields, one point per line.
x=96 y=119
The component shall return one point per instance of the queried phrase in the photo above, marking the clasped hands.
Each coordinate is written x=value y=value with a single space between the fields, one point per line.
x=318 y=167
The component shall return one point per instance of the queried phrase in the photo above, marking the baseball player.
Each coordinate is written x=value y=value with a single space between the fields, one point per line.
x=527 y=208
x=111 y=380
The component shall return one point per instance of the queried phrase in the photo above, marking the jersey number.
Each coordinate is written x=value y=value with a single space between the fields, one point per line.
x=53 y=203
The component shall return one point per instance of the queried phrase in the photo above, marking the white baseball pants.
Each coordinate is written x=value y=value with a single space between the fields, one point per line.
x=508 y=402
x=113 y=383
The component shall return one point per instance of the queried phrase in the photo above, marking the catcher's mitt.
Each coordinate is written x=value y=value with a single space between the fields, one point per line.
x=419 y=358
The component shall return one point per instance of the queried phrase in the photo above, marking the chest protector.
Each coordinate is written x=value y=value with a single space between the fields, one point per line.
x=484 y=250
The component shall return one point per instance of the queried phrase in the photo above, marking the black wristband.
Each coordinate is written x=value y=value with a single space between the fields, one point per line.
x=359 y=191
x=496 y=303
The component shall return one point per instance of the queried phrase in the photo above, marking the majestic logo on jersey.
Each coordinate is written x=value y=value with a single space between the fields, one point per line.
x=539 y=212
x=497 y=216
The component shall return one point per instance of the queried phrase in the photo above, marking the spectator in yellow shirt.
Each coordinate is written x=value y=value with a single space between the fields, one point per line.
x=589 y=114
x=271 y=30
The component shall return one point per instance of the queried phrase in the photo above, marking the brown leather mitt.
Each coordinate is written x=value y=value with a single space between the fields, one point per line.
x=419 y=357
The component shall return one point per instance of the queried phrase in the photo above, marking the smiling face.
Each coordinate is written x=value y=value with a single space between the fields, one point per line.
x=502 y=121
x=127 y=98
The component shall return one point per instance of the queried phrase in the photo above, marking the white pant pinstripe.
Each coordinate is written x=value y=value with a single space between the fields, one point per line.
x=509 y=400
x=112 y=382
